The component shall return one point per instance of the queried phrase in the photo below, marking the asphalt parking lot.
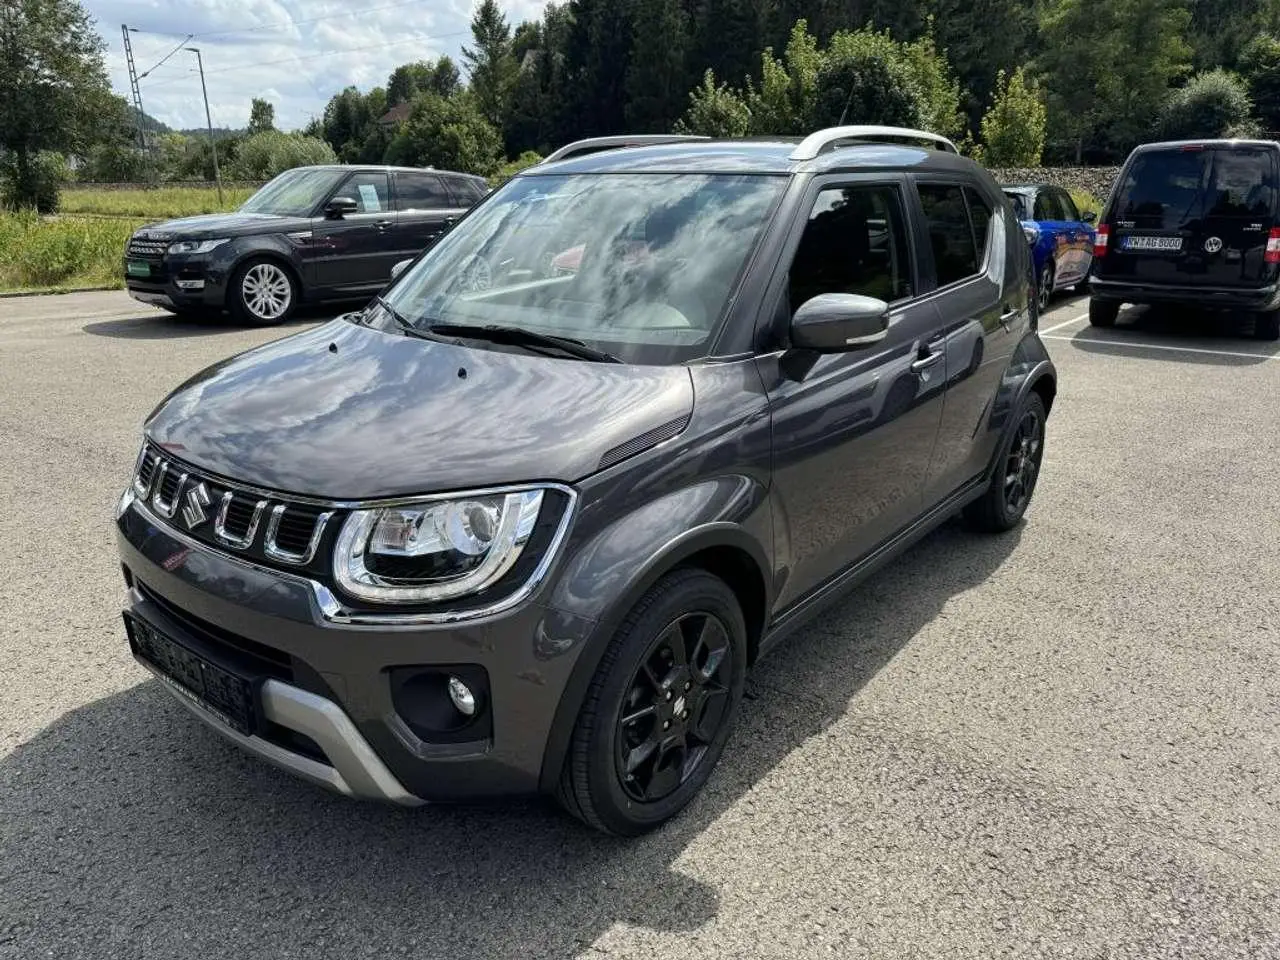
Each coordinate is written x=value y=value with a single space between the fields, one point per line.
x=1063 y=742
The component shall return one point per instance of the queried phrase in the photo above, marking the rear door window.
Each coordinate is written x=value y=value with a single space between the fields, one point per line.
x=1242 y=184
x=421 y=191
x=955 y=255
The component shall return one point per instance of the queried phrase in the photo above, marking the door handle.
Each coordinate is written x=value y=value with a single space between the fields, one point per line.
x=1006 y=318
x=924 y=363
x=383 y=224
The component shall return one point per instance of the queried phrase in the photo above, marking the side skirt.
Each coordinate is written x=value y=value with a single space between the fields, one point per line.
x=802 y=611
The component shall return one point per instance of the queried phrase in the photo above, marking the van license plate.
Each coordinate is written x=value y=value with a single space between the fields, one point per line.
x=137 y=268
x=1153 y=243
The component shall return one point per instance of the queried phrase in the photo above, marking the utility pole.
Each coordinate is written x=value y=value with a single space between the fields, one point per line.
x=208 y=119
x=134 y=90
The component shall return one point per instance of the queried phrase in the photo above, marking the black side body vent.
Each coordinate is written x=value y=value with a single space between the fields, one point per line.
x=643 y=442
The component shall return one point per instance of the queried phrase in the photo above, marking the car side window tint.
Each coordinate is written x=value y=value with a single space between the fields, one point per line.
x=1045 y=209
x=467 y=191
x=368 y=190
x=855 y=242
x=421 y=191
x=955 y=255
x=980 y=215
x=1069 y=211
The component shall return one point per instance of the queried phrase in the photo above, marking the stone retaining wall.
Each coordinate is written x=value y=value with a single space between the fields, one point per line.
x=1092 y=180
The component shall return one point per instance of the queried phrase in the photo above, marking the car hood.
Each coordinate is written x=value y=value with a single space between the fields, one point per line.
x=216 y=225
x=349 y=412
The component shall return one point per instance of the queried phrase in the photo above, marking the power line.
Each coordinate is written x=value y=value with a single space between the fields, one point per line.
x=165 y=57
x=320 y=55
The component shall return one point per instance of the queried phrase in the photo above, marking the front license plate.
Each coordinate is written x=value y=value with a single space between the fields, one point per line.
x=1161 y=244
x=136 y=268
x=223 y=694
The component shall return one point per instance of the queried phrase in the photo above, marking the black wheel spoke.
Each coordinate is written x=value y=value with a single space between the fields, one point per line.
x=636 y=756
x=675 y=707
x=715 y=700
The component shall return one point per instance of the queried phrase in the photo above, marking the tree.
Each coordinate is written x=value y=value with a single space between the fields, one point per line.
x=266 y=154
x=1105 y=63
x=857 y=84
x=1220 y=30
x=728 y=37
x=350 y=118
x=783 y=103
x=1013 y=128
x=715 y=110
x=981 y=38
x=409 y=79
x=54 y=91
x=447 y=132
x=489 y=61
x=1260 y=66
x=657 y=84
x=1213 y=104
x=597 y=54
x=262 y=117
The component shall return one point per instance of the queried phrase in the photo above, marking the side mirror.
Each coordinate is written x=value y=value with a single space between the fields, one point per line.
x=400 y=267
x=339 y=207
x=1089 y=217
x=839 y=322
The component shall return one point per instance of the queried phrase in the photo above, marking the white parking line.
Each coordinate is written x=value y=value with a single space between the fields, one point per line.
x=1160 y=346
x=1064 y=323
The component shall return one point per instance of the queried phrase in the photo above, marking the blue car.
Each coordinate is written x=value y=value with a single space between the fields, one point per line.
x=1061 y=239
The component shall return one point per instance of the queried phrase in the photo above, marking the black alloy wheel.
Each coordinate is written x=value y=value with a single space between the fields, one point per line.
x=1016 y=470
x=675 y=705
x=660 y=707
x=1022 y=464
x=1044 y=289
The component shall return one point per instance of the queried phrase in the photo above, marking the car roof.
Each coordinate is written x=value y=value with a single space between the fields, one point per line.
x=386 y=168
x=1027 y=187
x=1177 y=144
x=772 y=155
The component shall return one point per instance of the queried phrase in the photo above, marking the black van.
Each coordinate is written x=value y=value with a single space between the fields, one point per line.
x=1192 y=222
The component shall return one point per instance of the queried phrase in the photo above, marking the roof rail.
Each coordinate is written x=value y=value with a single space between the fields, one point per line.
x=596 y=144
x=830 y=138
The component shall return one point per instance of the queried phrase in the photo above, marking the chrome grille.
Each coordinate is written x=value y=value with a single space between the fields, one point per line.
x=264 y=526
x=147 y=249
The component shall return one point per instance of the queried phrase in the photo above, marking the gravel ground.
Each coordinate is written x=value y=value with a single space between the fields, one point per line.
x=1060 y=743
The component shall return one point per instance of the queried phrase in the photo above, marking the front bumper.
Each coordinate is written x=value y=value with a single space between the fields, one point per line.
x=331 y=683
x=1231 y=298
x=177 y=282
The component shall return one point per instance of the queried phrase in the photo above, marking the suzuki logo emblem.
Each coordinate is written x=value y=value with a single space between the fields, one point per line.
x=194 y=511
x=1213 y=245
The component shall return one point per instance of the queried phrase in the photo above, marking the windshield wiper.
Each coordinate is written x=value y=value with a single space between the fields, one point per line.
x=517 y=336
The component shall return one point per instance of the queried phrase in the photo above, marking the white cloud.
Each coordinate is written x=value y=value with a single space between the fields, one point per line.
x=295 y=53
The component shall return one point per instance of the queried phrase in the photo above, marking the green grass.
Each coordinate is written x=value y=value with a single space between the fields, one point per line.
x=160 y=203
x=40 y=254
x=1086 y=203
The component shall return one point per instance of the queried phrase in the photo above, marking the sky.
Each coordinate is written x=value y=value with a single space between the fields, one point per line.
x=295 y=53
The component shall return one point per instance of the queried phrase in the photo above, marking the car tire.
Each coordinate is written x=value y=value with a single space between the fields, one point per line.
x=1103 y=313
x=262 y=293
x=1044 y=287
x=1266 y=326
x=1013 y=481
x=627 y=776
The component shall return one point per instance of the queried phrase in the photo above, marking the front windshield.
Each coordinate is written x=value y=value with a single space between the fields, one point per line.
x=295 y=193
x=638 y=265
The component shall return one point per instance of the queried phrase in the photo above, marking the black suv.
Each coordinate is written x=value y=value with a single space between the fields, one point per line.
x=523 y=524
x=311 y=234
x=1192 y=222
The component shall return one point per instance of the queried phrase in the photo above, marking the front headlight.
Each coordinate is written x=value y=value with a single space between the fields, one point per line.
x=434 y=550
x=196 y=246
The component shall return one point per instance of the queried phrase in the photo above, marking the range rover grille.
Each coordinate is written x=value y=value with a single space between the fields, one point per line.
x=269 y=528
x=147 y=249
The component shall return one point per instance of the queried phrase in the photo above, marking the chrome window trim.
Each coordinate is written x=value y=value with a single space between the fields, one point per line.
x=333 y=612
x=166 y=510
x=275 y=552
x=220 y=524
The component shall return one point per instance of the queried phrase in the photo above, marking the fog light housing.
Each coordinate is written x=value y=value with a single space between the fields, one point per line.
x=464 y=701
